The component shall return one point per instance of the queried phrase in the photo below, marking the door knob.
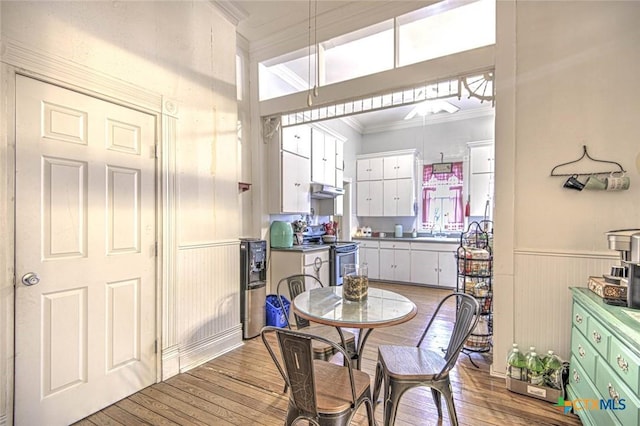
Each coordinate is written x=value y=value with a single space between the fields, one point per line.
x=30 y=278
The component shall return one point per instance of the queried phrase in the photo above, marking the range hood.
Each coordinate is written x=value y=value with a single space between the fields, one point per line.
x=325 y=191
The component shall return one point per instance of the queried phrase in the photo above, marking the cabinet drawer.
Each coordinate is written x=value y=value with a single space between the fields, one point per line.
x=598 y=336
x=398 y=245
x=368 y=244
x=581 y=389
x=582 y=350
x=579 y=318
x=625 y=364
x=612 y=388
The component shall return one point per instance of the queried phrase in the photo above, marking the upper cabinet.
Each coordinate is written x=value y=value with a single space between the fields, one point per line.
x=295 y=183
x=399 y=166
x=395 y=173
x=323 y=158
x=481 y=158
x=481 y=178
x=399 y=197
x=289 y=171
x=339 y=157
x=297 y=140
x=369 y=169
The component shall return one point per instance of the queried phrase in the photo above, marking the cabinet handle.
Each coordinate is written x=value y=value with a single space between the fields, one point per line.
x=596 y=336
x=576 y=376
x=623 y=364
x=581 y=351
x=578 y=319
x=613 y=394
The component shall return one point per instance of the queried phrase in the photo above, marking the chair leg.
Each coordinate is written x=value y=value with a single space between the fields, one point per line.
x=437 y=401
x=448 y=396
x=370 y=416
x=391 y=401
x=377 y=384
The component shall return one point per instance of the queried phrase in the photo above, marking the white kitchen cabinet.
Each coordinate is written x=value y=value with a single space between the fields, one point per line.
x=370 y=257
x=433 y=264
x=297 y=140
x=399 y=197
x=295 y=184
x=369 y=169
x=481 y=158
x=481 y=178
x=323 y=158
x=395 y=261
x=481 y=194
x=399 y=166
x=339 y=155
x=285 y=263
x=369 y=200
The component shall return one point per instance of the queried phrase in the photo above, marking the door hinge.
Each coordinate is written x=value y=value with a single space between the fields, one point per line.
x=156 y=249
x=155 y=346
x=156 y=151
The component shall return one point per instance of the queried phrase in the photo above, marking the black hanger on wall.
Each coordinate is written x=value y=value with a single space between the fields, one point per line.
x=586 y=154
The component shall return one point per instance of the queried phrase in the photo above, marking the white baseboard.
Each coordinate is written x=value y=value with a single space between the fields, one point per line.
x=195 y=354
x=170 y=362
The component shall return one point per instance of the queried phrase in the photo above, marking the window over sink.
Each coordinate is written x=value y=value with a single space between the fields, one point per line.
x=442 y=200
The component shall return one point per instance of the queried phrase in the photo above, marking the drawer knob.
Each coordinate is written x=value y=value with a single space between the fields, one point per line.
x=596 y=337
x=581 y=351
x=613 y=394
x=576 y=376
x=623 y=364
x=578 y=319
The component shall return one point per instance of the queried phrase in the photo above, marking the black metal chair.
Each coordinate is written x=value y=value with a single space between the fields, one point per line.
x=297 y=284
x=321 y=392
x=406 y=367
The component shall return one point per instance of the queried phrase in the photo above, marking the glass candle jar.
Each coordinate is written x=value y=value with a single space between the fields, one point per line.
x=355 y=285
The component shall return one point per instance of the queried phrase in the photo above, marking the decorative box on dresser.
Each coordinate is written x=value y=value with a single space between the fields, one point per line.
x=604 y=376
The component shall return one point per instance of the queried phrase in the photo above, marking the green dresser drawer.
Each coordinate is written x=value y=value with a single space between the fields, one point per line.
x=625 y=363
x=598 y=336
x=585 y=398
x=612 y=387
x=579 y=318
x=582 y=350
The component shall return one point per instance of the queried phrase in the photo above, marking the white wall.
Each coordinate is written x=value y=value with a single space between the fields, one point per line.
x=566 y=78
x=449 y=137
x=185 y=52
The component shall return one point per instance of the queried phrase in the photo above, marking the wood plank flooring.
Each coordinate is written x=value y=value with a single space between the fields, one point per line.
x=243 y=387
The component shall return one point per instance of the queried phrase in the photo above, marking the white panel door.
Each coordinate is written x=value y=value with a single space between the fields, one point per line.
x=86 y=225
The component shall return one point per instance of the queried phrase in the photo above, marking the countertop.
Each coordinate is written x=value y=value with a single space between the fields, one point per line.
x=447 y=240
x=303 y=248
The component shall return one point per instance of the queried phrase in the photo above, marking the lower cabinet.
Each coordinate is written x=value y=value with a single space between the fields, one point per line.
x=604 y=375
x=290 y=262
x=395 y=261
x=433 y=265
x=370 y=257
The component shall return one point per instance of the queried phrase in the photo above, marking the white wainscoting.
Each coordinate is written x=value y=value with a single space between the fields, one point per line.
x=207 y=306
x=542 y=300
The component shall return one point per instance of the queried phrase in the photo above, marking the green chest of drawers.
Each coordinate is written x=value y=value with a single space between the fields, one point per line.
x=604 y=376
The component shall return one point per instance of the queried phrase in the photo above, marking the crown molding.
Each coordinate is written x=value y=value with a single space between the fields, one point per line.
x=231 y=10
x=434 y=119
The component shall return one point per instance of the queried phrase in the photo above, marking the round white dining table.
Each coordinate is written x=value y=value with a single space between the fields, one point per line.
x=382 y=308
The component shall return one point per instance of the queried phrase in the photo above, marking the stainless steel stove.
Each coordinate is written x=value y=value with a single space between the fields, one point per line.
x=340 y=252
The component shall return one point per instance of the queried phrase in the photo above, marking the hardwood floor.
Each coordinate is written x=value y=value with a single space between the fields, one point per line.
x=243 y=387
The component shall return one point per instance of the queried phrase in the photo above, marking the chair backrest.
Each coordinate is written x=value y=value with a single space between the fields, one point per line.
x=467 y=316
x=296 y=284
x=297 y=368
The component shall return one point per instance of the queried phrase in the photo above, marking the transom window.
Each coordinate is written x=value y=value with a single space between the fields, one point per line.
x=441 y=29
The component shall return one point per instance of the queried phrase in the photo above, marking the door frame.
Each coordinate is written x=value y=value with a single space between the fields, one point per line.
x=19 y=60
